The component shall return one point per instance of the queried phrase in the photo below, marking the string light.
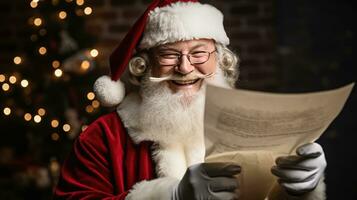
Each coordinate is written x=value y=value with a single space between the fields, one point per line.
x=66 y=127
x=2 y=78
x=43 y=32
x=37 y=118
x=56 y=64
x=33 y=38
x=17 y=60
x=84 y=127
x=95 y=104
x=90 y=96
x=79 y=12
x=54 y=166
x=33 y=4
x=55 y=2
x=27 y=117
x=94 y=53
x=85 y=65
x=5 y=87
x=42 y=50
x=37 y=21
x=12 y=79
x=88 y=10
x=24 y=83
x=41 y=112
x=58 y=72
x=89 y=109
x=80 y=2
x=62 y=15
x=54 y=123
x=7 y=111
x=55 y=136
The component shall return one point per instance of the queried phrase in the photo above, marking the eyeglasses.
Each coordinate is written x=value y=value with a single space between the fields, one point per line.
x=173 y=59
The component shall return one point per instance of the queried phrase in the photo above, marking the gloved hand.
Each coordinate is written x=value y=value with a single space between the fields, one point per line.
x=208 y=181
x=299 y=174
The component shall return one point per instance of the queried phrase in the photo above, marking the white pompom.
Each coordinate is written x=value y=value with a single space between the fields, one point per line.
x=109 y=93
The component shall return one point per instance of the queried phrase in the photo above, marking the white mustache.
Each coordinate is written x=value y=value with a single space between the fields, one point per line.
x=176 y=77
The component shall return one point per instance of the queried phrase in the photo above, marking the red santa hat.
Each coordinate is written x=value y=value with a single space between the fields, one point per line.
x=164 y=21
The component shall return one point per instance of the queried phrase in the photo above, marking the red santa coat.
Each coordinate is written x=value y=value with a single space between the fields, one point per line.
x=104 y=163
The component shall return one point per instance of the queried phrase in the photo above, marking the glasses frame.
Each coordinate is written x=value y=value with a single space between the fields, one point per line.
x=188 y=57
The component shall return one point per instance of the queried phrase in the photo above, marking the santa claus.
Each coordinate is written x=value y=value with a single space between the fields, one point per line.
x=152 y=147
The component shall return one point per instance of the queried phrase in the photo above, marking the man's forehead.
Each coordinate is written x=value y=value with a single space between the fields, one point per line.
x=188 y=43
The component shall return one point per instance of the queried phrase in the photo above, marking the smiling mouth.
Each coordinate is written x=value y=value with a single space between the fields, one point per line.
x=184 y=82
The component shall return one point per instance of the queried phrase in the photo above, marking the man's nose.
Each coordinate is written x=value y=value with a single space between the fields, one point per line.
x=185 y=66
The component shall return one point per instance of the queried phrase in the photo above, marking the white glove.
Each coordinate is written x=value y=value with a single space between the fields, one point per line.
x=301 y=173
x=205 y=181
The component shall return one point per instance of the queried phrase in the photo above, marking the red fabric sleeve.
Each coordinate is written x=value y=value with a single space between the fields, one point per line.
x=104 y=163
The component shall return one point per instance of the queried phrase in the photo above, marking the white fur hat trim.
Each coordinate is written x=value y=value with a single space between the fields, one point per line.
x=183 y=21
x=109 y=93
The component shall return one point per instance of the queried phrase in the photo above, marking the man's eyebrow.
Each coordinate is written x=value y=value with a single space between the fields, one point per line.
x=167 y=48
x=199 y=45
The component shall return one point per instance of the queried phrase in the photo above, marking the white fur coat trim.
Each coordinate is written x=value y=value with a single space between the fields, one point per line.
x=171 y=155
x=183 y=21
x=156 y=189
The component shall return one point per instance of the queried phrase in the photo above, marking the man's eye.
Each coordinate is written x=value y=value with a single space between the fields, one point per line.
x=198 y=54
x=169 y=56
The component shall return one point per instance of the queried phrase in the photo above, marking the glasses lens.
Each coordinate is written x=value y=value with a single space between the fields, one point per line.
x=168 y=59
x=199 y=57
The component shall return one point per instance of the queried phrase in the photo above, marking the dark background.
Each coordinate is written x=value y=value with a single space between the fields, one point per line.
x=316 y=50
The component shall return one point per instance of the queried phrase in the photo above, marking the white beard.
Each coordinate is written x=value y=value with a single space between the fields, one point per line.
x=173 y=121
x=175 y=116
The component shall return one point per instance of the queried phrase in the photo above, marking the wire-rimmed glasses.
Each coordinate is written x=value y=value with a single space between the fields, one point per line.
x=173 y=59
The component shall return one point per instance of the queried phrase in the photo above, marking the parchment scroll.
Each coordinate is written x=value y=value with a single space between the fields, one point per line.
x=253 y=128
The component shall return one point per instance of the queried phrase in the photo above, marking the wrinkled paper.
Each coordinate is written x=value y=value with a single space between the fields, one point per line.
x=253 y=128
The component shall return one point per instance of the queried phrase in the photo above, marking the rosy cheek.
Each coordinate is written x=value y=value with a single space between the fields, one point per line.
x=207 y=68
x=160 y=71
x=165 y=70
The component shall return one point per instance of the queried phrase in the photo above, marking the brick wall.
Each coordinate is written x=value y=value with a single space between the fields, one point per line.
x=249 y=24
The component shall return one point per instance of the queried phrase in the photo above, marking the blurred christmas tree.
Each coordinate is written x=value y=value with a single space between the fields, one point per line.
x=46 y=98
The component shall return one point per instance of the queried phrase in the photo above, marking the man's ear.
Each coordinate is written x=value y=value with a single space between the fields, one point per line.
x=138 y=66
